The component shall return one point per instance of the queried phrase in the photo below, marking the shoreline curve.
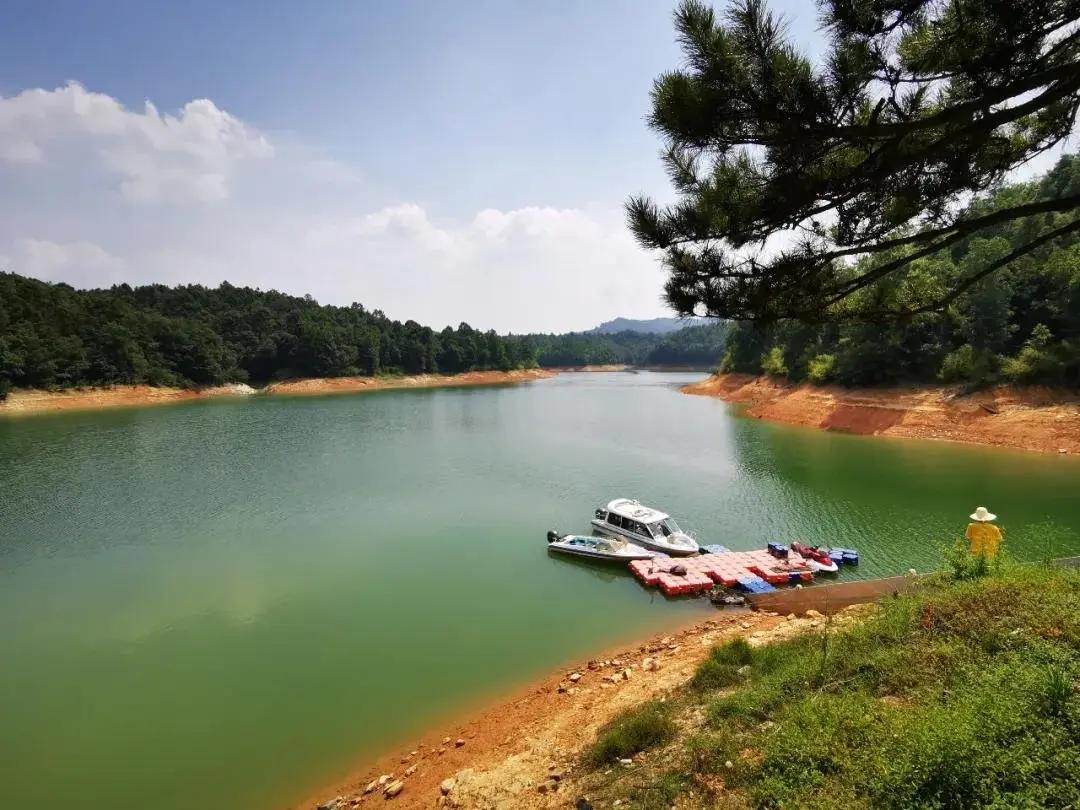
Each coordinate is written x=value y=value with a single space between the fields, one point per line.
x=498 y=754
x=28 y=402
x=1024 y=418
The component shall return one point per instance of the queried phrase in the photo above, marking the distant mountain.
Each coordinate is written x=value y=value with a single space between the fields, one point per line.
x=654 y=326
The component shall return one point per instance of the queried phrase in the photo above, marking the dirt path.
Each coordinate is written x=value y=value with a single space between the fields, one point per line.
x=26 y=402
x=505 y=757
x=1032 y=418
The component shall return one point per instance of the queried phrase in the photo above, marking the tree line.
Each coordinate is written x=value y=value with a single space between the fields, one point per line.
x=1020 y=324
x=55 y=336
x=52 y=335
x=698 y=345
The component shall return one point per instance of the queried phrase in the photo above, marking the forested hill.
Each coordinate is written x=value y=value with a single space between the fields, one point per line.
x=54 y=336
x=697 y=346
x=1021 y=324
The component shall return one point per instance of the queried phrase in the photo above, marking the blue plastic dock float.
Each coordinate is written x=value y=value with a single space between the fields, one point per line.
x=753 y=584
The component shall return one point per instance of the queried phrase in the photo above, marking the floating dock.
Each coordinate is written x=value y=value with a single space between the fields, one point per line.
x=752 y=571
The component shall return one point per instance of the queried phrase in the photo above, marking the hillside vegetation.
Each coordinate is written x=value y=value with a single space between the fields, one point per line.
x=698 y=345
x=962 y=694
x=55 y=336
x=1019 y=325
x=52 y=335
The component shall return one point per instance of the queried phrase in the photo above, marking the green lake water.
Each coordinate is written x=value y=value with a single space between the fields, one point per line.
x=226 y=604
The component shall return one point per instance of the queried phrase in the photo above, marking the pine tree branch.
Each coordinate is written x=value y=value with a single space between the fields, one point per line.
x=963 y=227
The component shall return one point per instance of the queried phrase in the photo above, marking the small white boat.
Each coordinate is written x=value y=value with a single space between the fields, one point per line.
x=598 y=548
x=645 y=526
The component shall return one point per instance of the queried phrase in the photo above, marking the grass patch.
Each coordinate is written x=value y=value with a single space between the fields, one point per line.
x=660 y=791
x=722 y=667
x=964 y=693
x=632 y=732
x=710 y=752
x=745 y=707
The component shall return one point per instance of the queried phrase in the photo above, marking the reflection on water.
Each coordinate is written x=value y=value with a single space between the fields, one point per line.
x=219 y=604
x=898 y=500
x=603 y=570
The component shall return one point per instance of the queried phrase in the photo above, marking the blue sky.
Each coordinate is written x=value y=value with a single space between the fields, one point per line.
x=441 y=161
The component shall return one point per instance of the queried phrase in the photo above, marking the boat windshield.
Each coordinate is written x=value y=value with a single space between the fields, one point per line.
x=668 y=527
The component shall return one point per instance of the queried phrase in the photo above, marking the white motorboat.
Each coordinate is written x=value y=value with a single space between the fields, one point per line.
x=598 y=548
x=645 y=526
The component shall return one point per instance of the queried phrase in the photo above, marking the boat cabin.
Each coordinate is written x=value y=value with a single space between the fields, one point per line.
x=626 y=516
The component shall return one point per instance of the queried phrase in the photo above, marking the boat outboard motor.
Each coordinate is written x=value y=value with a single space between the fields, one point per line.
x=553 y=536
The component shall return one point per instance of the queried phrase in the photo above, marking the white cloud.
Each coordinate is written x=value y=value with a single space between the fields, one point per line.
x=79 y=262
x=79 y=172
x=19 y=150
x=182 y=157
x=530 y=269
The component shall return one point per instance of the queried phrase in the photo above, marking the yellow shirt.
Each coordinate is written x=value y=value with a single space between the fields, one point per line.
x=985 y=538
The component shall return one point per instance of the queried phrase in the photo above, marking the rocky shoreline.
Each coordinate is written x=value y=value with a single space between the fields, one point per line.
x=1034 y=418
x=524 y=752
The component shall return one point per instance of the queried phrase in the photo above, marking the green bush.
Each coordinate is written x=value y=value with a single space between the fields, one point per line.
x=958 y=366
x=1032 y=365
x=1041 y=359
x=632 y=732
x=820 y=368
x=5 y=389
x=772 y=362
x=962 y=564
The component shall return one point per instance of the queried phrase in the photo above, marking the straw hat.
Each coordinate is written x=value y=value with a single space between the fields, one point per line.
x=982 y=515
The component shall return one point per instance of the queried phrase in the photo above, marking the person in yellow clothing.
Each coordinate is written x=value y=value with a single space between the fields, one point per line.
x=984 y=536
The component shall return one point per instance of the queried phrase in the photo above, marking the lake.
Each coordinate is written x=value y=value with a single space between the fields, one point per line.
x=226 y=604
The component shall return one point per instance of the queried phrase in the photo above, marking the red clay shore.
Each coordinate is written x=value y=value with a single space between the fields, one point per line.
x=330 y=385
x=1033 y=418
x=27 y=402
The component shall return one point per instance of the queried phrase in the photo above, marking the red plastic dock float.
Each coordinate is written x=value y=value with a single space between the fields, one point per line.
x=703 y=570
